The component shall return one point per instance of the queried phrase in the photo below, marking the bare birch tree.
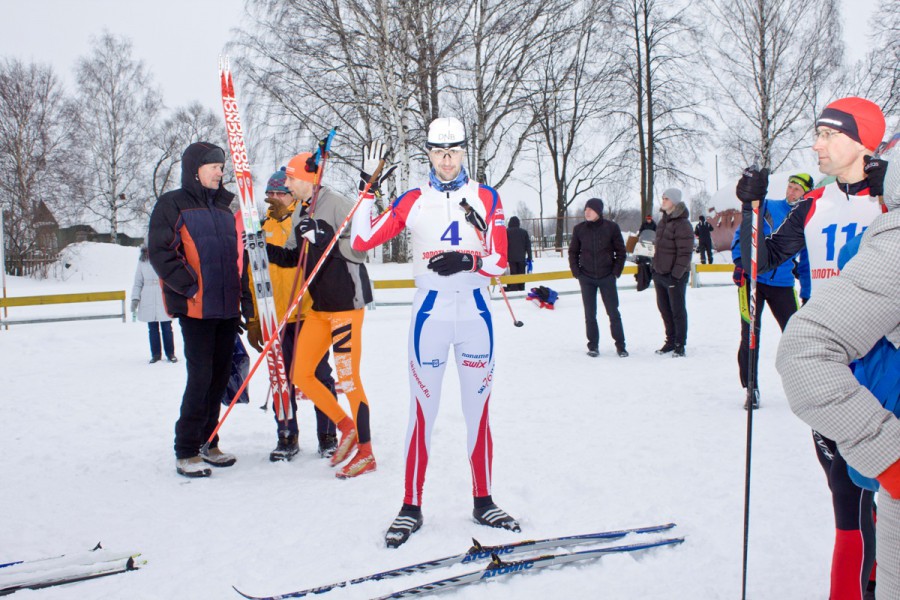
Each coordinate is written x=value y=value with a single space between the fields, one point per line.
x=664 y=116
x=767 y=58
x=35 y=152
x=877 y=76
x=573 y=100
x=506 y=37
x=117 y=108
x=186 y=125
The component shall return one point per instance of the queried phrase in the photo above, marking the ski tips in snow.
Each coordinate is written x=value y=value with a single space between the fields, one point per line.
x=66 y=568
x=479 y=552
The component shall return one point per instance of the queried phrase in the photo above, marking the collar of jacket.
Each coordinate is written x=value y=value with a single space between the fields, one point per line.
x=678 y=210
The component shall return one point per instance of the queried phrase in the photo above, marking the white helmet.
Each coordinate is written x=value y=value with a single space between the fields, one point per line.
x=446 y=132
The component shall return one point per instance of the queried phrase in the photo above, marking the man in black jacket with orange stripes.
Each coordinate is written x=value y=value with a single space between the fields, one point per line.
x=195 y=248
x=596 y=258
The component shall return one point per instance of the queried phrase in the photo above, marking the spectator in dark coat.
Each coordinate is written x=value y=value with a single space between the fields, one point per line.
x=596 y=258
x=196 y=249
x=672 y=269
x=703 y=231
x=518 y=251
x=648 y=224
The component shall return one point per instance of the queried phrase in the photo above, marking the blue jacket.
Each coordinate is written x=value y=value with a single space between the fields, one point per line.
x=783 y=274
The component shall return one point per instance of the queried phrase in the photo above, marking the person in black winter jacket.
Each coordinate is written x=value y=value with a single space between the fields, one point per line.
x=195 y=248
x=518 y=252
x=703 y=231
x=648 y=224
x=596 y=258
x=672 y=269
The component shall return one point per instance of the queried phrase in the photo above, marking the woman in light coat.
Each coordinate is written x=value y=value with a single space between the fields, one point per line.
x=147 y=302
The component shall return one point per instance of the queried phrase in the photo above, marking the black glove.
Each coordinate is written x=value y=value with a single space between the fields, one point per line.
x=875 y=169
x=803 y=301
x=753 y=184
x=373 y=154
x=308 y=228
x=450 y=263
x=738 y=276
x=242 y=326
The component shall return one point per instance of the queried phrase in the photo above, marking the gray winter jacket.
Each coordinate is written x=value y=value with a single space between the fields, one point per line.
x=146 y=289
x=840 y=324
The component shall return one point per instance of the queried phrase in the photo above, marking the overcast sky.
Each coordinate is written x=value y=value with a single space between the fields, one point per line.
x=180 y=40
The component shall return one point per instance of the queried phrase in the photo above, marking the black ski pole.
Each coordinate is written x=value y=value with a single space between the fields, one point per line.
x=752 y=301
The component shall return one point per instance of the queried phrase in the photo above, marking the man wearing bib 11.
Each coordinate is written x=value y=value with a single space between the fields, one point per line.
x=455 y=253
x=847 y=133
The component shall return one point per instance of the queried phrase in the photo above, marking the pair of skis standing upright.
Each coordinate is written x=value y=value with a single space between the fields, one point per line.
x=255 y=245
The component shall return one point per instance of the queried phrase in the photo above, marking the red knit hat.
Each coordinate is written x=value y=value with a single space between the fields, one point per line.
x=857 y=118
x=299 y=166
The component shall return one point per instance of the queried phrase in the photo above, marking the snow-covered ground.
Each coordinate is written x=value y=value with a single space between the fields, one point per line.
x=580 y=444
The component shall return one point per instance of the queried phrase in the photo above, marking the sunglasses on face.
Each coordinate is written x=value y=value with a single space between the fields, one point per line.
x=442 y=152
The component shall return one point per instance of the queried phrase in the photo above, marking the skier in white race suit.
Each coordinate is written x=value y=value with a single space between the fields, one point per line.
x=459 y=243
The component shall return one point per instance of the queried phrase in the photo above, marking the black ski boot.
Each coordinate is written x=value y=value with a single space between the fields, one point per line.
x=407 y=522
x=328 y=443
x=286 y=449
x=494 y=516
x=667 y=347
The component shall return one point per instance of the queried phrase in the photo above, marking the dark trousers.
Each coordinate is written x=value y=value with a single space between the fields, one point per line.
x=671 y=304
x=168 y=343
x=324 y=425
x=854 y=520
x=705 y=254
x=208 y=348
x=782 y=302
x=516 y=268
x=610 y=296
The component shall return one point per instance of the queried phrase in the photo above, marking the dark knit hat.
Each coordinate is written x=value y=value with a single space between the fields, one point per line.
x=596 y=205
x=213 y=155
x=804 y=180
x=277 y=182
x=857 y=118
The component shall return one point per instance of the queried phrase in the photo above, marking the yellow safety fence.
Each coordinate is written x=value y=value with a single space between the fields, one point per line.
x=19 y=301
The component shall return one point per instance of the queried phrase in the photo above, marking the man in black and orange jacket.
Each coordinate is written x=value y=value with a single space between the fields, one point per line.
x=196 y=249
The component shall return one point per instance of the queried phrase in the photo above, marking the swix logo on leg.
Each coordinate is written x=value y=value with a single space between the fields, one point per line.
x=507 y=569
x=475 y=364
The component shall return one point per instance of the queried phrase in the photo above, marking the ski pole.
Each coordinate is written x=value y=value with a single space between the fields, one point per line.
x=295 y=303
x=480 y=232
x=752 y=301
x=516 y=322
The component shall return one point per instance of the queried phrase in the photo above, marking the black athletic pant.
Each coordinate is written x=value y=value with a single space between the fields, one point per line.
x=323 y=374
x=610 y=296
x=854 y=546
x=208 y=351
x=705 y=254
x=672 y=308
x=782 y=302
x=516 y=268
